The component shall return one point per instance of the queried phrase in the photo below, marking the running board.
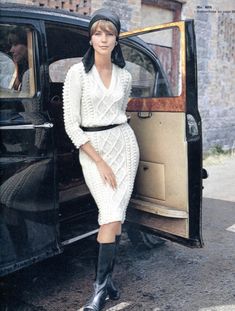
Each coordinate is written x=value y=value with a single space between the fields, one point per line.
x=79 y=237
x=159 y=210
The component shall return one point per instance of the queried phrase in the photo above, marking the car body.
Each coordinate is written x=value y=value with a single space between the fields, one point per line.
x=45 y=203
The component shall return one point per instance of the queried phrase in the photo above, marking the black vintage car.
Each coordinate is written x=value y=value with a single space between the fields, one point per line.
x=45 y=204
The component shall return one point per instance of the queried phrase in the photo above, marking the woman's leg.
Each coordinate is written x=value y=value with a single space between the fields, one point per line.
x=104 y=263
x=107 y=251
x=107 y=232
x=111 y=232
x=103 y=285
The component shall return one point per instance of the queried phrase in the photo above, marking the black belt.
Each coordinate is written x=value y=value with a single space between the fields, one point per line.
x=98 y=128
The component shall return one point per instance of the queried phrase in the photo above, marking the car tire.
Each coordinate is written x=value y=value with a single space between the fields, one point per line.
x=140 y=239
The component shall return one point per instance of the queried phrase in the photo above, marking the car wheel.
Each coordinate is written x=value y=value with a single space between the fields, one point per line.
x=141 y=239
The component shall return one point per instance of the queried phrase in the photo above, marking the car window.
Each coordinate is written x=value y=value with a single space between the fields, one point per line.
x=17 y=78
x=66 y=46
x=165 y=44
x=151 y=77
x=142 y=70
x=155 y=73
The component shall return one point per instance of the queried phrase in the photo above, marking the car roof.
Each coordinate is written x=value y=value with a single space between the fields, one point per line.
x=54 y=15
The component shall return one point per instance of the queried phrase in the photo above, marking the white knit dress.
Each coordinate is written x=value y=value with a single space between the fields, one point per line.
x=87 y=102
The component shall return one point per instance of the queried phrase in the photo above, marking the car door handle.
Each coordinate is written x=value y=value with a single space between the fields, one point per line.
x=27 y=126
x=44 y=125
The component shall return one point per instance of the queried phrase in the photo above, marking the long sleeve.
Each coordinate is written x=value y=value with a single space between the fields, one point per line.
x=72 y=106
x=128 y=86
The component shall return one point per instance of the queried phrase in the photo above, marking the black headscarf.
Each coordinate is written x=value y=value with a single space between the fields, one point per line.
x=116 y=56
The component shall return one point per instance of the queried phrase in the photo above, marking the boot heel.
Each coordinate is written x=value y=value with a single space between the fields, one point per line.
x=97 y=301
x=113 y=292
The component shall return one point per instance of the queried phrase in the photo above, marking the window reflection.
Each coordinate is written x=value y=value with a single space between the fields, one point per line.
x=16 y=60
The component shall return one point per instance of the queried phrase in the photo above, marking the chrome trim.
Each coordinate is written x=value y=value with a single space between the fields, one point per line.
x=45 y=125
x=79 y=237
x=26 y=126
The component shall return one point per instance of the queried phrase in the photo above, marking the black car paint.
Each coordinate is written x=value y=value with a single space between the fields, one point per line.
x=195 y=142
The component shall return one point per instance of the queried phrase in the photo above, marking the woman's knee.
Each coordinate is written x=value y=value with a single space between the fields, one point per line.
x=110 y=225
x=114 y=227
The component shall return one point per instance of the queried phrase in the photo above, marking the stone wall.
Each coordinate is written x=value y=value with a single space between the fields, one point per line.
x=129 y=11
x=215 y=34
x=17 y=1
x=80 y=6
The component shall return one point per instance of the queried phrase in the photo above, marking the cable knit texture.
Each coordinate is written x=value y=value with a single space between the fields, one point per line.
x=88 y=102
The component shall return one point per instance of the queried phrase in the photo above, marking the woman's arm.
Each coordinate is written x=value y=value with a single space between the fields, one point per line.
x=72 y=92
x=127 y=91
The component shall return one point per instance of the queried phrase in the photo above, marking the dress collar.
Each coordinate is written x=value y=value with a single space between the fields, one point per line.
x=99 y=80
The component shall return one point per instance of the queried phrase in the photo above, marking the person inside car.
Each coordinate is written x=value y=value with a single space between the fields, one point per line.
x=95 y=94
x=19 y=52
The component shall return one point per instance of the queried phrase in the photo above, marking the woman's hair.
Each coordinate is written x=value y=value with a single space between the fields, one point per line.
x=104 y=26
x=17 y=36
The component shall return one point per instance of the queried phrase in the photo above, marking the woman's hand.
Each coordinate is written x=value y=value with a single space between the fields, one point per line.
x=104 y=169
x=106 y=173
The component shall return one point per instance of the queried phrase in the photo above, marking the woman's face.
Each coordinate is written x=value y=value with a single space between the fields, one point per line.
x=19 y=52
x=103 y=41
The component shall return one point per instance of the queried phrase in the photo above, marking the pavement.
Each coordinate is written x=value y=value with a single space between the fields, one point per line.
x=220 y=183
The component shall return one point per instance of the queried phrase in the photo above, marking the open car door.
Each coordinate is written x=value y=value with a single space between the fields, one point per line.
x=164 y=116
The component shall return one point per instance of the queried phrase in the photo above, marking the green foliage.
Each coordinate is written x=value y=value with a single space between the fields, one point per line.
x=217 y=150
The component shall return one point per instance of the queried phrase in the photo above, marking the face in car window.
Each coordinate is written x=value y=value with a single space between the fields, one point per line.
x=19 y=53
x=17 y=74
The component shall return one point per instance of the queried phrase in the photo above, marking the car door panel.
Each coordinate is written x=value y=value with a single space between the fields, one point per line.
x=169 y=174
x=160 y=181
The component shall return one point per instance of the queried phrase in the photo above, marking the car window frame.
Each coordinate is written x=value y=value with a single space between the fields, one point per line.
x=35 y=26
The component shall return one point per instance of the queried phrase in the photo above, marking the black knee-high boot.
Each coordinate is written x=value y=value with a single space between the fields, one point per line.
x=113 y=292
x=104 y=266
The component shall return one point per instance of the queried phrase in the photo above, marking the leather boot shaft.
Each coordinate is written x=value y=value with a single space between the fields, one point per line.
x=113 y=292
x=104 y=266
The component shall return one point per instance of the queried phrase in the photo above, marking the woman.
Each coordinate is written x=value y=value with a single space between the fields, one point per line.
x=19 y=51
x=96 y=93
